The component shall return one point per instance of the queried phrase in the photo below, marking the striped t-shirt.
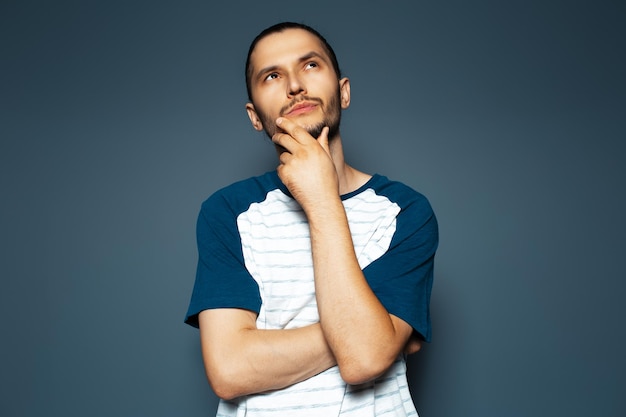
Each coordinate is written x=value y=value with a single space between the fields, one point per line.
x=255 y=254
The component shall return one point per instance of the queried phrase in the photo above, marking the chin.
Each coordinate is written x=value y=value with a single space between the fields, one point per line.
x=315 y=131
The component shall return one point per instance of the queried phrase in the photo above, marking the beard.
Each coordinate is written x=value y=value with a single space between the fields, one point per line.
x=332 y=117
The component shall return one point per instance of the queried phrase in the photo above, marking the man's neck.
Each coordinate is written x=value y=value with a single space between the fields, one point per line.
x=350 y=179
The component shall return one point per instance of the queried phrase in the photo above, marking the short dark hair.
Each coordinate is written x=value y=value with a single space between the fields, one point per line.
x=279 y=27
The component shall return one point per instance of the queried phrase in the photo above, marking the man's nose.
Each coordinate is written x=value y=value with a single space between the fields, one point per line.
x=295 y=86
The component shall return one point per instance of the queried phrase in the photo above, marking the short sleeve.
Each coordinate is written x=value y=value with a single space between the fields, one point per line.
x=222 y=280
x=402 y=278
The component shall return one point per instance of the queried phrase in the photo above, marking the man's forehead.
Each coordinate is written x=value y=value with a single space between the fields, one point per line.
x=291 y=43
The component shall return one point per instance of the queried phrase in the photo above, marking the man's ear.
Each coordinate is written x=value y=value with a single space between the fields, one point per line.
x=344 y=92
x=254 y=117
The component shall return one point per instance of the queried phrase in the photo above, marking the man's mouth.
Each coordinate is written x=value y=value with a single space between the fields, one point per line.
x=301 y=108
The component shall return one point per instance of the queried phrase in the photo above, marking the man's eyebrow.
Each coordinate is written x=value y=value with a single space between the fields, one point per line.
x=265 y=70
x=312 y=54
x=303 y=58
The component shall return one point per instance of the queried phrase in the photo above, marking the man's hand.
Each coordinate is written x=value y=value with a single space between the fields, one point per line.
x=306 y=166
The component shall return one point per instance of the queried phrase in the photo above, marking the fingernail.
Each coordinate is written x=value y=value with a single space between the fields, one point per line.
x=279 y=120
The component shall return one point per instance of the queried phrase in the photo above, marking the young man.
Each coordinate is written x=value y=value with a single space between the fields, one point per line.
x=314 y=280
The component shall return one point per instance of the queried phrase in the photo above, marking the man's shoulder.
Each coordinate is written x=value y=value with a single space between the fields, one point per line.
x=397 y=191
x=239 y=195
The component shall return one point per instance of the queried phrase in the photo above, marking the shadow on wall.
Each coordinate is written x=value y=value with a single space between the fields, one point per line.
x=424 y=370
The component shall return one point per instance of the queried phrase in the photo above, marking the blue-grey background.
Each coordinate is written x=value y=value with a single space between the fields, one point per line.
x=118 y=118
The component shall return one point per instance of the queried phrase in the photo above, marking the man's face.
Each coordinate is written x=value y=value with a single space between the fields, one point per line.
x=293 y=77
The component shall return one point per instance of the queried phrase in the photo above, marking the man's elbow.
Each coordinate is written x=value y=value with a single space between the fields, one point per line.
x=361 y=370
x=224 y=391
x=224 y=384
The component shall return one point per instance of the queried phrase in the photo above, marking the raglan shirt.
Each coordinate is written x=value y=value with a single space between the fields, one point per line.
x=255 y=254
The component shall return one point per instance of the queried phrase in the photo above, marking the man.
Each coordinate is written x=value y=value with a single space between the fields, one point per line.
x=313 y=281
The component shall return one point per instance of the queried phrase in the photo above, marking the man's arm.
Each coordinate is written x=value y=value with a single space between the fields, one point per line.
x=240 y=359
x=364 y=338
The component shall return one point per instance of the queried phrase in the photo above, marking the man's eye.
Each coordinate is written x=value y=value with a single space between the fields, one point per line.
x=311 y=65
x=271 y=76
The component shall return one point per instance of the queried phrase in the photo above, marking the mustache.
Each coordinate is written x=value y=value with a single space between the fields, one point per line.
x=300 y=99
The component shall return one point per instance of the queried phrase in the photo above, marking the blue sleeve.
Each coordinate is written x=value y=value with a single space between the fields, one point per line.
x=402 y=278
x=222 y=280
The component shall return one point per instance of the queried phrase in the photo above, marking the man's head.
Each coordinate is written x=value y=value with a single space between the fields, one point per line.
x=292 y=71
x=280 y=27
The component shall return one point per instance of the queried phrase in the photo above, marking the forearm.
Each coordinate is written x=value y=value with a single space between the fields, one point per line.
x=364 y=338
x=253 y=360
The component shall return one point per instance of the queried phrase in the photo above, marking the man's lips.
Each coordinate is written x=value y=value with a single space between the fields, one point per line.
x=301 y=108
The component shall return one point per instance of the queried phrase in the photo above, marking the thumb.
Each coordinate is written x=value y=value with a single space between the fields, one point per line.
x=323 y=139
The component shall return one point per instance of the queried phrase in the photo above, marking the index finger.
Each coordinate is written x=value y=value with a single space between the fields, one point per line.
x=294 y=130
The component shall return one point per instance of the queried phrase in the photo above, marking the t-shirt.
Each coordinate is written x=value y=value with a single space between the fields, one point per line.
x=255 y=254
